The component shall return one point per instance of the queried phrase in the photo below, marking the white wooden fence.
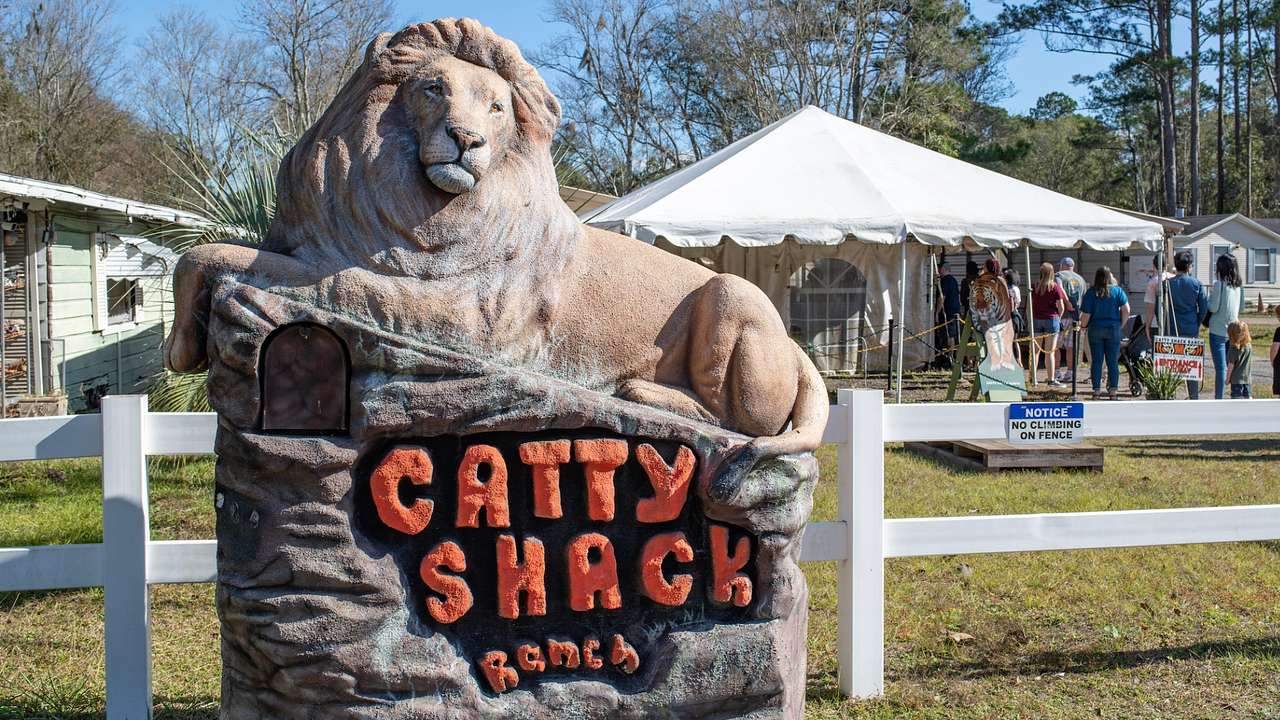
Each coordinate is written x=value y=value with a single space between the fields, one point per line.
x=128 y=561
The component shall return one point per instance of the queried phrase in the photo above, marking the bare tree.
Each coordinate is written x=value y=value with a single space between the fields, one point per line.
x=191 y=90
x=308 y=48
x=611 y=58
x=651 y=85
x=60 y=65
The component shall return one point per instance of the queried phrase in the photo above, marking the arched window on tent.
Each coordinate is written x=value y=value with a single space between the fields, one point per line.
x=305 y=373
x=828 y=297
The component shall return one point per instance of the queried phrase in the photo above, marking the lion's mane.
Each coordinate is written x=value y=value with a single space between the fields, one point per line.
x=352 y=192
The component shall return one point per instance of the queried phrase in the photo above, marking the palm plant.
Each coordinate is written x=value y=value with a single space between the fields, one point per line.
x=238 y=205
x=1159 y=384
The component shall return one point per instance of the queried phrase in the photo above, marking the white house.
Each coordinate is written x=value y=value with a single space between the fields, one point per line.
x=1254 y=242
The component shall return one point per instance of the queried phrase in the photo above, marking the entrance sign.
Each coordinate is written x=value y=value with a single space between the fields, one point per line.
x=1183 y=357
x=476 y=460
x=515 y=543
x=1038 y=423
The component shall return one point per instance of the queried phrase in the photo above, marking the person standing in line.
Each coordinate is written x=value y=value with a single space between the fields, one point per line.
x=1103 y=311
x=1073 y=286
x=1014 y=282
x=1149 y=298
x=1239 y=356
x=1224 y=308
x=1275 y=358
x=1189 y=303
x=949 y=290
x=1048 y=304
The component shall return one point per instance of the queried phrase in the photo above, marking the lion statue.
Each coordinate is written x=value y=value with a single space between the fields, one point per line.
x=425 y=200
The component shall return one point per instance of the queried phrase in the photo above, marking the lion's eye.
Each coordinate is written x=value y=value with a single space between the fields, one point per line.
x=434 y=88
x=496 y=107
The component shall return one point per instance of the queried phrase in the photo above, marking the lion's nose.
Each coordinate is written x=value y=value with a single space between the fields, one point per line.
x=465 y=138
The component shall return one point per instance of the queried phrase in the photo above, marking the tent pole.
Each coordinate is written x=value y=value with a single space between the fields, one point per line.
x=1031 y=316
x=902 y=311
x=932 y=284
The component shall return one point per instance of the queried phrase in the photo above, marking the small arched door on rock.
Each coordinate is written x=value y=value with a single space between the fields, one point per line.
x=828 y=303
x=305 y=373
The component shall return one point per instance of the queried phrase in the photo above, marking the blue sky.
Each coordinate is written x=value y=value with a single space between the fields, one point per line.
x=1033 y=71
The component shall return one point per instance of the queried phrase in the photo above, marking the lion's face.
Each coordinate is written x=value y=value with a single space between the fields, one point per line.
x=462 y=114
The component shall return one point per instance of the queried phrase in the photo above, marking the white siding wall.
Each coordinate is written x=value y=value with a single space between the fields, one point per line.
x=124 y=357
x=1242 y=239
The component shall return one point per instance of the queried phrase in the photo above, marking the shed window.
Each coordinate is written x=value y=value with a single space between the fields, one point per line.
x=122 y=300
x=1261 y=258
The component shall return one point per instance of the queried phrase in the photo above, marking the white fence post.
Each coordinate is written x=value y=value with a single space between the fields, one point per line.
x=125 y=533
x=861 y=576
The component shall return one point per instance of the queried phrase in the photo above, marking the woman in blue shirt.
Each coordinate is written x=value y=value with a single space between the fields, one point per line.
x=1103 y=311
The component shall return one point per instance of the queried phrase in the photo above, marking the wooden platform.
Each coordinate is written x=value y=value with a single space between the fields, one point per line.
x=997 y=455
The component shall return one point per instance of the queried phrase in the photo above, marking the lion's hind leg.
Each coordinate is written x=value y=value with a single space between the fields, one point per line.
x=742 y=364
x=665 y=397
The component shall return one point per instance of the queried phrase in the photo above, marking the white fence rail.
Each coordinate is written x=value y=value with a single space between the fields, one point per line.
x=128 y=561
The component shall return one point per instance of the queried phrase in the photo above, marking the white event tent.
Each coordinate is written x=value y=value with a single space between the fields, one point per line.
x=811 y=207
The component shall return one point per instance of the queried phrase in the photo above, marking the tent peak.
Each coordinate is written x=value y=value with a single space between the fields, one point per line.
x=821 y=179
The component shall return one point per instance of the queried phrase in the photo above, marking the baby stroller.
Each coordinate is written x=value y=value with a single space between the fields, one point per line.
x=1135 y=352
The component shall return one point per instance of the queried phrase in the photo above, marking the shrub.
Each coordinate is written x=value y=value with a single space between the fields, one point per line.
x=1159 y=384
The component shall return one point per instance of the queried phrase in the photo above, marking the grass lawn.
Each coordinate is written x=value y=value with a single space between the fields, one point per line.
x=1185 y=632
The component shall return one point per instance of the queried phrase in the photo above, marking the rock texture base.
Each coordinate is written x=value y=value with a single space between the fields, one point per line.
x=319 y=622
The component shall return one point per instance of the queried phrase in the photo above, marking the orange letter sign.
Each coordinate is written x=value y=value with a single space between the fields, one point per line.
x=600 y=458
x=589 y=648
x=529 y=658
x=545 y=458
x=402 y=463
x=727 y=582
x=587 y=578
x=670 y=484
x=473 y=494
x=514 y=577
x=501 y=677
x=457 y=596
x=562 y=654
x=655 y=585
x=621 y=653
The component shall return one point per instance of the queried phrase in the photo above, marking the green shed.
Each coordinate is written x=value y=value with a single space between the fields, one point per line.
x=87 y=291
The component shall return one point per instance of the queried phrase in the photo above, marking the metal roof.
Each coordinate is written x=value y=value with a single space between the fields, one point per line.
x=22 y=189
x=1200 y=224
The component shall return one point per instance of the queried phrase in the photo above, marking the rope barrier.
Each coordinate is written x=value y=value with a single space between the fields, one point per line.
x=921 y=334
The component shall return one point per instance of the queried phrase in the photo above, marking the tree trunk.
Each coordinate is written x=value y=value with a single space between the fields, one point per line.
x=1193 y=171
x=1222 y=166
x=1275 y=74
x=1235 y=82
x=1168 y=143
x=1248 y=109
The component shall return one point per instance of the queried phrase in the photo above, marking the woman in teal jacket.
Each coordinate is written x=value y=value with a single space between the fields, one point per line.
x=1103 y=312
x=1224 y=308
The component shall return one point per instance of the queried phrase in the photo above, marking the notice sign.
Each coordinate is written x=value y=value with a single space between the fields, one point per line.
x=1182 y=356
x=1046 y=422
